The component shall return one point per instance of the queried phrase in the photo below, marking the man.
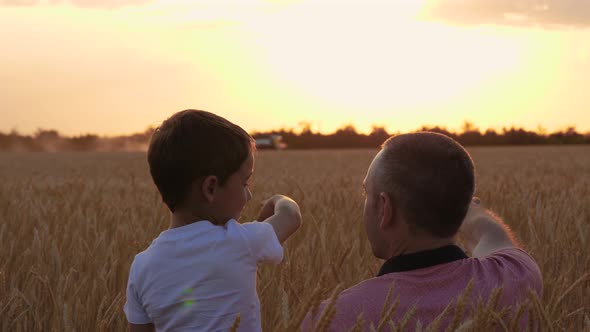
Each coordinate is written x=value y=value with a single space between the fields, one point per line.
x=418 y=195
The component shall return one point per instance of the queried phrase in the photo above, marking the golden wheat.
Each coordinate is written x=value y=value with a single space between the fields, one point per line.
x=71 y=223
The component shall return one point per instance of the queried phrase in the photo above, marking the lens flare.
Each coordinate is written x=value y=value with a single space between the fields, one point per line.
x=187 y=297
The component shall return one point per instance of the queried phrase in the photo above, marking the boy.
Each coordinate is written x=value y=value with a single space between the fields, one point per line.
x=200 y=274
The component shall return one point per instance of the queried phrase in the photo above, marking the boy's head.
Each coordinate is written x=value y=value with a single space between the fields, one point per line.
x=201 y=163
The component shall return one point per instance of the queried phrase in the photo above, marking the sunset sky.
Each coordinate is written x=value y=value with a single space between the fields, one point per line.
x=115 y=67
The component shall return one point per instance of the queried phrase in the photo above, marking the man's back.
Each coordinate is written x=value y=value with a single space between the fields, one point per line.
x=431 y=289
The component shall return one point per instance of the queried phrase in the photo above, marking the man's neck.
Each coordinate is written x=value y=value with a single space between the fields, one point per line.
x=422 y=259
x=418 y=244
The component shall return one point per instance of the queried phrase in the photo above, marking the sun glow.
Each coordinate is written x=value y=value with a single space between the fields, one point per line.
x=365 y=56
x=404 y=63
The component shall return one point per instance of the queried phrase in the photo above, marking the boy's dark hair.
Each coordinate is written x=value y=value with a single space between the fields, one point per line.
x=191 y=145
x=431 y=178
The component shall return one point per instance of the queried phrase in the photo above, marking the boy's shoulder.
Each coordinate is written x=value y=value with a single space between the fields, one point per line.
x=262 y=241
x=139 y=262
x=204 y=235
x=166 y=243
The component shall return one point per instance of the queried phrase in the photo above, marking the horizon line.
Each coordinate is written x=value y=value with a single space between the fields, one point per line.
x=307 y=126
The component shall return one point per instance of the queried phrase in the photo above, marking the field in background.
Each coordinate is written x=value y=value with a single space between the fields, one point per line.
x=70 y=225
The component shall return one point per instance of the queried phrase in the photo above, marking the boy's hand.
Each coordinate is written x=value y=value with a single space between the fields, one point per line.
x=283 y=214
x=267 y=208
x=483 y=232
x=469 y=228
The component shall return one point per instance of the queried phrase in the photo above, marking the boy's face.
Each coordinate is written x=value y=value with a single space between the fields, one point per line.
x=235 y=193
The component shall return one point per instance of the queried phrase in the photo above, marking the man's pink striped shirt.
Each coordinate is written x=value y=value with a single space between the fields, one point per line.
x=432 y=288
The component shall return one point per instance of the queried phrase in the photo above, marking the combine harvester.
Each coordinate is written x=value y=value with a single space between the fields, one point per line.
x=270 y=142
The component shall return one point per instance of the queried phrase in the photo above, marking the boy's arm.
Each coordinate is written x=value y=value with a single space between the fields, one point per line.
x=283 y=214
x=484 y=232
x=141 y=327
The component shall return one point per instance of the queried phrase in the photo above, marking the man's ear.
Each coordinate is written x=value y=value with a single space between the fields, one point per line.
x=209 y=187
x=387 y=211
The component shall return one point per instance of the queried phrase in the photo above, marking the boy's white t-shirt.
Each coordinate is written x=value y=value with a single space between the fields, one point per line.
x=200 y=277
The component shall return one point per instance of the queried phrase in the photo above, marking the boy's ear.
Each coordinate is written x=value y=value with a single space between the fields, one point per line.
x=209 y=187
x=386 y=211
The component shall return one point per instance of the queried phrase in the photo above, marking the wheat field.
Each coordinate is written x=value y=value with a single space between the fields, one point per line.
x=70 y=224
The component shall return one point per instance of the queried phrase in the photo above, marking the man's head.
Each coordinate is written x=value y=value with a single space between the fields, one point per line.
x=201 y=163
x=418 y=187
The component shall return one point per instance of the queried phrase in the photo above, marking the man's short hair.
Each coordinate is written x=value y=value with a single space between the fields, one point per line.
x=191 y=145
x=431 y=179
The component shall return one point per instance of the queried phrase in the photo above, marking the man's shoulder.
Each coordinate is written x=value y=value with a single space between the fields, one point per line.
x=515 y=252
x=509 y=259
x=515 y=263
x=370 y=289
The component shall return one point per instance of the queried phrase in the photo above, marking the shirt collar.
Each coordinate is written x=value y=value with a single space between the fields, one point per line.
x=188 y=230
x=422 y=259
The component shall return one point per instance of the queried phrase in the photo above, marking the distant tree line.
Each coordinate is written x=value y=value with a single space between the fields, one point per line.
x=51 y=140
x=348 y=137
x=345 y=137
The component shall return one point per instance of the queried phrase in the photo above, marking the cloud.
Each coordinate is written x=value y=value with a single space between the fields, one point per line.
x=108 y=4
x=572 y=13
